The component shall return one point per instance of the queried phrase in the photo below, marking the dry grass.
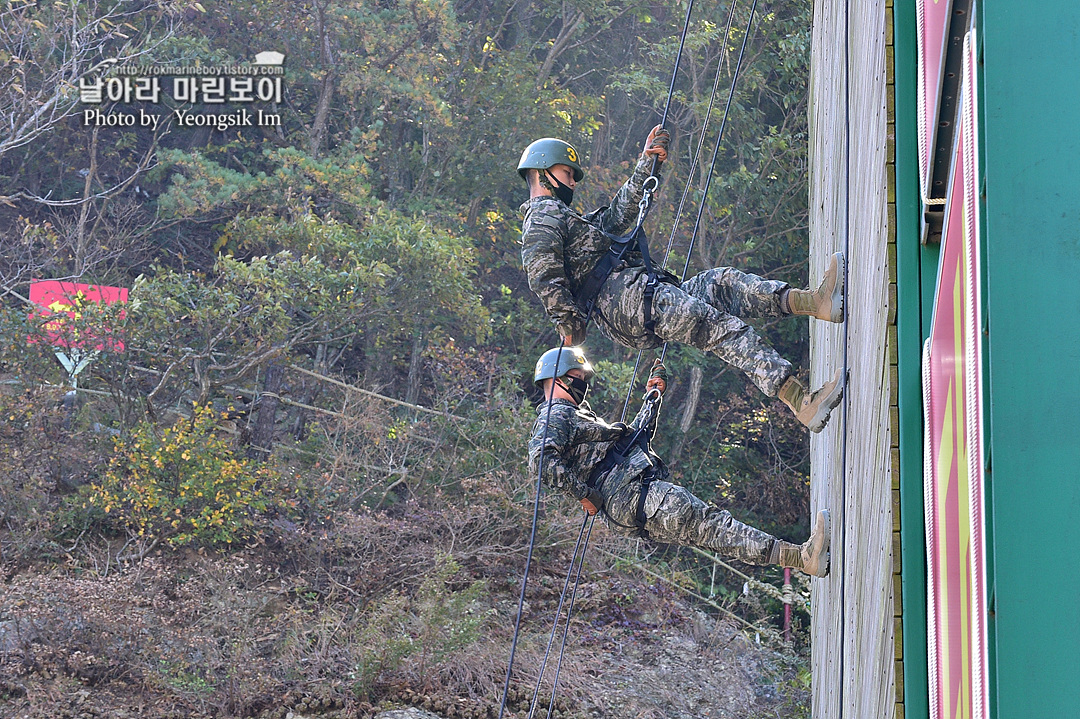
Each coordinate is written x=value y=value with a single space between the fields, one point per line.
x=290 y=622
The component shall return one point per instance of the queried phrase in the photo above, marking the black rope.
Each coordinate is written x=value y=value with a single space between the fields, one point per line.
x=569 y=612
x=716 y=150
x=558 y=613
x=532 y=536
x=708 y=179
x=675 y=72
x=630 y=389
x=701 y=141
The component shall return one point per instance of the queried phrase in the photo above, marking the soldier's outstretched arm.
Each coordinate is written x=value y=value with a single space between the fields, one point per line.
x=542 y=246
x=618 y=217
x=650 y=409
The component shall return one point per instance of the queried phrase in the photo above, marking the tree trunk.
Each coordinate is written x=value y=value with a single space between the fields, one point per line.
x=326 y=93
x=412 y=393
x=308 y=392
x=693 y=396
x=569 y=27
x=262 y=436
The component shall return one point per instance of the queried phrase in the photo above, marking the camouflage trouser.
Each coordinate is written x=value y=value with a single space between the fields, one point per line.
x=705 y=313
x=673 y=515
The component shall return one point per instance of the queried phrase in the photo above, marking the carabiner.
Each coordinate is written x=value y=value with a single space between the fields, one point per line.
x=647 y=189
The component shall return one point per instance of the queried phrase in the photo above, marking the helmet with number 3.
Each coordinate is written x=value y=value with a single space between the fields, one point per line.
x=548 y=152
x=557 y=361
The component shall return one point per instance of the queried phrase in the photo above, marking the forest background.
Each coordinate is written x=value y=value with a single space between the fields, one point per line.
x=286 y=280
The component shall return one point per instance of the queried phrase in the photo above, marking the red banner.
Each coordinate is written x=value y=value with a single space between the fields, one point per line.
x=952 y=365
x=932 y=26
x=67 y=301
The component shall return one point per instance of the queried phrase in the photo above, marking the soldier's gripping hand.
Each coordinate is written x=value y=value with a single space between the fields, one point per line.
x=572 y=333
x=656 y=143
x=592 y=503
x=657 y=378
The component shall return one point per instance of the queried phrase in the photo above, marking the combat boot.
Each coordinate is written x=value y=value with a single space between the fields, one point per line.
x=812 y=556
x=812 y=409
x=827 y=301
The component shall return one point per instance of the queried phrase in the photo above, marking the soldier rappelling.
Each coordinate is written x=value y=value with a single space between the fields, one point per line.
x=611 y=469
x=573 y=268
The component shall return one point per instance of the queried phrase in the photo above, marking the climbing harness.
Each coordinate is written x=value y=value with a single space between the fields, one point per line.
x=620 y=452
x=617 y=251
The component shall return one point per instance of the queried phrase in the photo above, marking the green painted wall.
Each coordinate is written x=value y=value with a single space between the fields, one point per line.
x=1031 y=151
x=909 y=330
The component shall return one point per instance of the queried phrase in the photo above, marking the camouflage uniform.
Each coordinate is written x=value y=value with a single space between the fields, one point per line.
x=560 y=248
x=578 y=440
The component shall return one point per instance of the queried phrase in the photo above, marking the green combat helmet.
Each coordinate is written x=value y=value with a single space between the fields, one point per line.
x=548 y=152
x=570 y=358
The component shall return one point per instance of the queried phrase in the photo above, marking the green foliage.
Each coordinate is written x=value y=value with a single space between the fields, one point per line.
x=199 y=330
x=184 y=486
x=288 y=179
x=447 y=620
x=438 y=622
x=385 y=643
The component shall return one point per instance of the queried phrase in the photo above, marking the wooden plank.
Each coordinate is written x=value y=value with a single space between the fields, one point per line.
x=853 y=631
x=892 y=244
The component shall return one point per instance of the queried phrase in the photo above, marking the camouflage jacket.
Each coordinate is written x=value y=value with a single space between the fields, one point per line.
x=578 y=440
x=559 y=247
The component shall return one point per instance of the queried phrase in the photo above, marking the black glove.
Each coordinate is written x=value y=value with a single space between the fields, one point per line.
x=593 y=502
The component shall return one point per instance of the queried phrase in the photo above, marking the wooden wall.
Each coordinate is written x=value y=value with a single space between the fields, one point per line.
x=852 y=610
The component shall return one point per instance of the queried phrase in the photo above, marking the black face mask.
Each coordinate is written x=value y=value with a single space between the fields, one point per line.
x=577 y=388
x=564 y=192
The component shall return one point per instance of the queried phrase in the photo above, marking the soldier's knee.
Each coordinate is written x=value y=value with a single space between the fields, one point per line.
x=671 y=501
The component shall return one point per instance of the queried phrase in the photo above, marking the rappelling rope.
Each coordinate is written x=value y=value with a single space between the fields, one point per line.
x=532 y=537
x=701 y=140
x=708 y=179
x=716 y=148
x=558 y=613
x=847 y=313
x=643 y=210
x=569 y=612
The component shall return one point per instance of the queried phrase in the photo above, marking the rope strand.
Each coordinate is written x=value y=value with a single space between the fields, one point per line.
x=532 y=538
x=569 y=612
x=558 y=613
x=716 y=150
x=847 y=257
x=701 y=141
